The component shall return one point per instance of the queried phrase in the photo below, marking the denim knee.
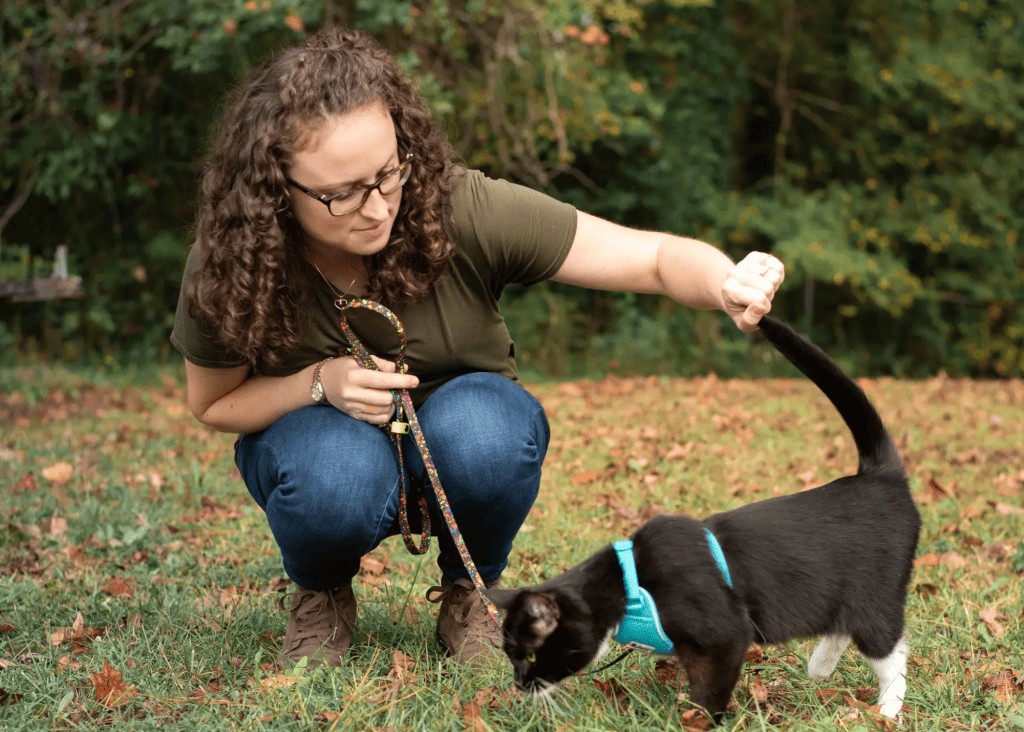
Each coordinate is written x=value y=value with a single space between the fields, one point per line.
x=328 y=485
x=488 y=437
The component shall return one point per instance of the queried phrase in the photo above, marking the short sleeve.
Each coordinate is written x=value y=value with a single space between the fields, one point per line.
x=525 y=234
x=193 y=339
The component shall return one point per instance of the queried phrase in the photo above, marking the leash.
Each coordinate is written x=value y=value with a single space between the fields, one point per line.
x=629 y=649
x=405 y=418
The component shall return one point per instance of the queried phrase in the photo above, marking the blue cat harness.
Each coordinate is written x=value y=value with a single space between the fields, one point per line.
x=641 y=628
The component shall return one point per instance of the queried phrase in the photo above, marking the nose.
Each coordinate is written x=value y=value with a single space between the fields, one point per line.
x=376 y=206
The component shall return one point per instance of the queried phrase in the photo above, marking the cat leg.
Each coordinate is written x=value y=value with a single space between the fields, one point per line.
x=712 y=676
x=826 y=656
x=892 y=678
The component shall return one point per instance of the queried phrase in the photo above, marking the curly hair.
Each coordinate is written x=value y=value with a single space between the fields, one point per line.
x=250 y=283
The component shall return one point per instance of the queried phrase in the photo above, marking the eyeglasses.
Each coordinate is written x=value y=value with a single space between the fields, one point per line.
x=352 y=200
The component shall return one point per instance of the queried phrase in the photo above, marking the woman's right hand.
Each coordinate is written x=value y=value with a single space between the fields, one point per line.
x=364 y=394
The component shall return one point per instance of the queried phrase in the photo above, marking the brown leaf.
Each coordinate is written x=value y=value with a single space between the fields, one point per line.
x=471 y=716
x=26 y=484
x=1005 y=509
x=117 y=587
x=991 y=617
x=111 y=690
x=946 y=559
x=371 y=565
x=278 y=681
x=59 y=473
x=77 y=633
x=7 y=698
x=758 y=690
x=58 y=526
x=588 y=476
x=694 y=720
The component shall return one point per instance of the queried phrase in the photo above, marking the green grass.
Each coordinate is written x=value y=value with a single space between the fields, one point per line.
x=147 y=533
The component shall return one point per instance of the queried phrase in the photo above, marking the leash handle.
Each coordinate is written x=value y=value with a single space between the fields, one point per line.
x=404 y=407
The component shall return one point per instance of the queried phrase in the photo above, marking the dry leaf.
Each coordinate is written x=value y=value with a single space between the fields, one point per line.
x=758 y=691
x=117 y=587
x=58 y=526
x=1005 y=509
x=946 y=559
x=991 y=617
x=58 y=473
x=588 y=476
x=694 y=720
x=111 y=690
x=278 y=681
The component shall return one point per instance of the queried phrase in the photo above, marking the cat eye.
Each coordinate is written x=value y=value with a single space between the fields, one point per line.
x=531 y=657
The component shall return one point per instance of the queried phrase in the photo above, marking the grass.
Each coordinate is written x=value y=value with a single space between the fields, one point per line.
x=138 y=581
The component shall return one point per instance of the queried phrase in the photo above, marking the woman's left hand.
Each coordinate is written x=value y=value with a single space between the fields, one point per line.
x=749 y=287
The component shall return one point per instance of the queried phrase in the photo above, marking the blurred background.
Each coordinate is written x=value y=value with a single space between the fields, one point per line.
x=874 y=146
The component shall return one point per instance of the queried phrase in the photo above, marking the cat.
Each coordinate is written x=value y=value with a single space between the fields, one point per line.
x=833 y=561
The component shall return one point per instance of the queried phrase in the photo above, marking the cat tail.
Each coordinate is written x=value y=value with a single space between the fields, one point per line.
x=875 y=448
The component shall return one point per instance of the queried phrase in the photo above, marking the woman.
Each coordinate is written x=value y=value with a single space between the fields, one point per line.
x=328 y=179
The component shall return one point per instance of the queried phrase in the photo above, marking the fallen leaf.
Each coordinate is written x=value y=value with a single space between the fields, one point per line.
x=991 y=617
x=117 y=587
x=471 y=716
x=278 y=681
x=58 y=526
x=758 y=691
x=588 y=476
x=946 y=559
x=1005 y=509
x=111 y=690
x=58 y=473
x=694 y=720
x=77 y=633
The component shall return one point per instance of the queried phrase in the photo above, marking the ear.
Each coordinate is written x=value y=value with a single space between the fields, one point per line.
x=502 y=599
x=543 y=611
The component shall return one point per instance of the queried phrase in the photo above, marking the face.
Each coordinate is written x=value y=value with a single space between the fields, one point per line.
x=354 y=148
x=543 y=638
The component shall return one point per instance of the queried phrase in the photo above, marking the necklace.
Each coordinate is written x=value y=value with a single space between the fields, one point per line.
x=340 y=302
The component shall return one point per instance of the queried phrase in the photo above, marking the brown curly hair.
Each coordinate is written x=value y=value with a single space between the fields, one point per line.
x=250 y=282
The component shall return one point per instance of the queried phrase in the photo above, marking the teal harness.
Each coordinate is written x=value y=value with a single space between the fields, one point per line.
x=641 y=628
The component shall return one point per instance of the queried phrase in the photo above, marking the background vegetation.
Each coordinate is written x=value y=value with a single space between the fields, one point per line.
x=139 y=582
x=876 y=147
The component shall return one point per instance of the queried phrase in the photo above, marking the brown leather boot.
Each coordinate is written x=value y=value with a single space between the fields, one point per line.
x=464 y=626
x=321 y=624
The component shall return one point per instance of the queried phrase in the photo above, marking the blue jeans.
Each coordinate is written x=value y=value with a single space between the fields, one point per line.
x=329 y=484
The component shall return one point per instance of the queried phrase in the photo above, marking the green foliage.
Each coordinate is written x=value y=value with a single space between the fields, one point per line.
x=874 y=146
x=892 y=193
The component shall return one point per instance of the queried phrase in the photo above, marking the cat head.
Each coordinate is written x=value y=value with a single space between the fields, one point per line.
x=548 y=635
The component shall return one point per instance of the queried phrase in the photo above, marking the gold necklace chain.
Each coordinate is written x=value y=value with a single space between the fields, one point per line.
x=340 y=300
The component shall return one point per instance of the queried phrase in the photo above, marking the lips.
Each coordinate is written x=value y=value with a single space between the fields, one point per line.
x=375 y=232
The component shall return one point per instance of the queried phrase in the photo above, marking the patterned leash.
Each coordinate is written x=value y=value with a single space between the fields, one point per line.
x=398 y=427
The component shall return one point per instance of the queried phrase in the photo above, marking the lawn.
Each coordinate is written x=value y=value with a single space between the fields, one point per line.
x=139 y=583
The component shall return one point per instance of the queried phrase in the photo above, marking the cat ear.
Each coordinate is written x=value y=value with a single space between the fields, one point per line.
x=544 y=613
x=502 y=599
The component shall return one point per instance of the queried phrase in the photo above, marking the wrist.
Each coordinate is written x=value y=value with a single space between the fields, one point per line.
x=316 y=389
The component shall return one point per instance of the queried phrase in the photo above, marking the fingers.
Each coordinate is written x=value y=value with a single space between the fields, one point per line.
x=749 y=288
x=365 y=394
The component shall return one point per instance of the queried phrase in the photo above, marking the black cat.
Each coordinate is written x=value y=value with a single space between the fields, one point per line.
x=832 y=561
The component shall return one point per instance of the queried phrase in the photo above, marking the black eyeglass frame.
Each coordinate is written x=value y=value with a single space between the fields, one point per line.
x=367 y=188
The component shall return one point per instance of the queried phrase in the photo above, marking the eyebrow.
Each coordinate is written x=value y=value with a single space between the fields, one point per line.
x=349 y=184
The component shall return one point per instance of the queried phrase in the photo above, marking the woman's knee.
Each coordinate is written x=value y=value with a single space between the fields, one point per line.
x=485 y=428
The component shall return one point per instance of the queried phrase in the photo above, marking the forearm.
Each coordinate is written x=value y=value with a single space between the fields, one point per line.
x=691 y=272
x=255 y=403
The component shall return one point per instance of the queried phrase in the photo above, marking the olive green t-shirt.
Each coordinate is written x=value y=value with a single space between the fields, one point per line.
x=505 y=233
